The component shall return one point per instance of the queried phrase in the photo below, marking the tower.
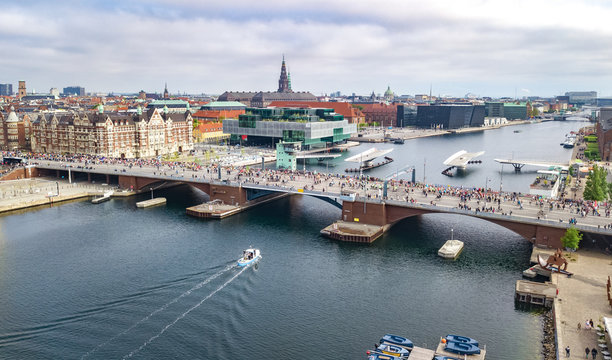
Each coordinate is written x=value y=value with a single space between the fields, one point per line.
x=22 y=89
x=283 y=83
x=166 y=95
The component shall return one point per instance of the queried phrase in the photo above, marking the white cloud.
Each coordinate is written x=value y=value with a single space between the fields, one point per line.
x=479 y=45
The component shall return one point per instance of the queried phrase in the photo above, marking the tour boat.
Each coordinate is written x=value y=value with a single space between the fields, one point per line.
x=451 y=248
x=397 y=340
x=249 y=256
x=462 y=348
x=395 y=350
x=445 y=358
x=459 y=338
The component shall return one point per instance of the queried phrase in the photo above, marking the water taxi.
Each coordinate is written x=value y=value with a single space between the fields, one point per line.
x=249 y=256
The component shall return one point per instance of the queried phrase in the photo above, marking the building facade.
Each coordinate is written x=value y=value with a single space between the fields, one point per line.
x=307 y=126
x=141 y=134
x=73 y=90
x=6 y=89
x=604 y=133
x=22 y=89
x=581 y=97
x=380 y=114
x=450 y=116
x=406 y=115
x=15 y=130
x=513 y=111
x=351 y=113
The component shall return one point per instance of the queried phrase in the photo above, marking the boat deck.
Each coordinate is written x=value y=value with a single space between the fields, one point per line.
x=440 y=351
x=419 y=353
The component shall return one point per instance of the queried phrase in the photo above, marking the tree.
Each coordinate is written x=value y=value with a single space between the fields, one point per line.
x=596 y=187
x=572 y=238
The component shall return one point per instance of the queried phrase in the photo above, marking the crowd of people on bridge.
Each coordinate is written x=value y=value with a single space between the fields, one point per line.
x=469 y=198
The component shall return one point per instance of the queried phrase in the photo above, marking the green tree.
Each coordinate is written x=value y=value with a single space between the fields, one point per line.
x=596 y=187
x=572 y=238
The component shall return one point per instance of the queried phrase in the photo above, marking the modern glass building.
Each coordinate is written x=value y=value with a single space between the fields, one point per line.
x=308 y=126
x=514 y=111
x=450 y=116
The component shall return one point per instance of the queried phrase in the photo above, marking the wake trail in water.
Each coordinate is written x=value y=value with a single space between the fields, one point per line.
x=134 y=352
x=162 y=308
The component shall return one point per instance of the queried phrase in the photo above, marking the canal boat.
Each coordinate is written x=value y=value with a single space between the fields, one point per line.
x=445 y=358
x=451 y=248
x=459 y=338
x=249 y=256
x=462 y=348
x=395 y=350
x=397 y=340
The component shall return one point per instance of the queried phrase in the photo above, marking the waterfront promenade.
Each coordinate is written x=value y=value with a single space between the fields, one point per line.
x=581 y=297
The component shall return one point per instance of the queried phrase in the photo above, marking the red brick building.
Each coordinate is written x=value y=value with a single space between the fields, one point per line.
x=382 y=114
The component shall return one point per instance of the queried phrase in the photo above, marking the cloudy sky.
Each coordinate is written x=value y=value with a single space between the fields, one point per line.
x=485 y=47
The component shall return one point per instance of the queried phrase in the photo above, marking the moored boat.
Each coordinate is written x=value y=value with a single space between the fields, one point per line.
x=462 y=348
x=379 y=356
x=397 y=340
x=445 y=358
x=249 y=256
x=395 y=350
x=463 y=339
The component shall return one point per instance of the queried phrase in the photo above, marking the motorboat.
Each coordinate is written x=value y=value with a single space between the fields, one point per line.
x=379 y=356
x=445 y=358
x=395 y=350
x=462 y=348
x=451 y=248
x=459 y=338
x=249 y=256
x=397 y=340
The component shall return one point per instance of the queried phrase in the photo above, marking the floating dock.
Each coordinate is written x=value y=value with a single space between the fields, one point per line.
x=353 y=232
x=535 y=293
x=107 y=195
x=151 y=202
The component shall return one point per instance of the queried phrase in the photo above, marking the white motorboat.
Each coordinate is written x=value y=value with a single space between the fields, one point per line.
x=249 y=256
x=451 y=248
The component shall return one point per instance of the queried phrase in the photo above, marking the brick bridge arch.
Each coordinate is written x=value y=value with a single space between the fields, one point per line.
x=387 y=215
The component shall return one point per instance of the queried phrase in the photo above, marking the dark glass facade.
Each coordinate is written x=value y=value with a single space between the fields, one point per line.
x=406 y=115
x=450 y=116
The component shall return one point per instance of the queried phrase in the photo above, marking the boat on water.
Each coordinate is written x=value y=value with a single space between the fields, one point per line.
x=569 y=142
x=459 y=338
x=462 y=348
x=517 y=131
x=451 y=248
x=445 y=358
x=379 y=356
x=249 y=256
x=395 y=350
x=397 y=340
x=398 y=141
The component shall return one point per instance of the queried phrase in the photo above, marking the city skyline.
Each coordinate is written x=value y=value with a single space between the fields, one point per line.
x=488 y=48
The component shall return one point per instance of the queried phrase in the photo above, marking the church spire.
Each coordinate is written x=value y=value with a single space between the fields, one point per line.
x=166 y=95
x=283 y=82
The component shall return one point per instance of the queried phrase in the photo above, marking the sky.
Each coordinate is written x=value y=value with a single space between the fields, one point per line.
x=484 y=47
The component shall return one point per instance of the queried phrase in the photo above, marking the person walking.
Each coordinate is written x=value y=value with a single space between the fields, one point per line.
x=594 y=353
x=587 y=351
x=567 y=351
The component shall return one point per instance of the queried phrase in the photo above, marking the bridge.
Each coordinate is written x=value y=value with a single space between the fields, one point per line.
x=360 y=200
x=518 y=164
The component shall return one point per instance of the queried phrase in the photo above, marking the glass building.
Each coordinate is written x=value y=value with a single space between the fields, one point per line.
x=307 y=126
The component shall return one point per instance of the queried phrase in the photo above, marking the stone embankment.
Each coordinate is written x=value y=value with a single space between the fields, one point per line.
x=548 y=342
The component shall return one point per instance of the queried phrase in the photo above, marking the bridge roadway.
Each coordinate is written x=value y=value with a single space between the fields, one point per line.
x=330 y=187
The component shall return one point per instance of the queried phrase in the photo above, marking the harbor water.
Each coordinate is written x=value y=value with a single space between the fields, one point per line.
x=111 y=281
